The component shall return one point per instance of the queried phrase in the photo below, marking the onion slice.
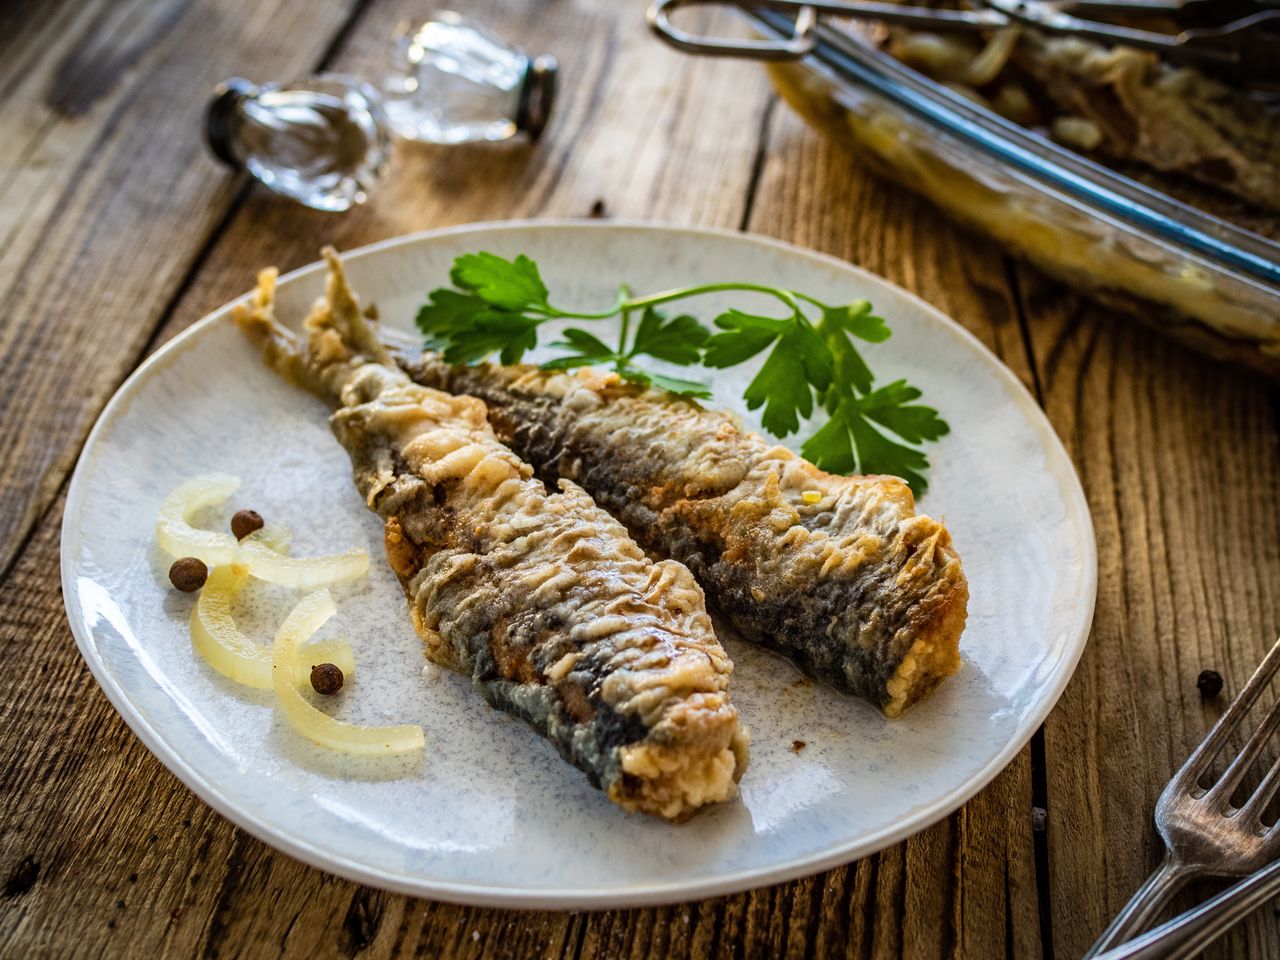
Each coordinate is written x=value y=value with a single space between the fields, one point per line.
x=301 y=573
x=178 y=538
x=276 y=536
x=224 y=647
x=307 y=617
x=174 y=532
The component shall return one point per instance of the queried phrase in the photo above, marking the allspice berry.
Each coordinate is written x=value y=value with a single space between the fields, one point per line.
x=326 y=678
x=245 y=522
x=188 y=574
x=1209 y=683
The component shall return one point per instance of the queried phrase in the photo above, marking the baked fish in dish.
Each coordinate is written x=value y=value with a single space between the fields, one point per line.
x=838 y=573
x=542 y=598
x=1164 y=123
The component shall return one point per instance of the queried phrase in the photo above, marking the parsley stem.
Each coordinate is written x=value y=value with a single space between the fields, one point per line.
x=624 y=293
x=680 y=293
x=808 y=299
x=552 y=313
x=788 y=297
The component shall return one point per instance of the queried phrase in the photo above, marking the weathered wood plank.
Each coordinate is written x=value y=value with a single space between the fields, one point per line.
x=108 y=195
x=1180 y=459
x=49 y=49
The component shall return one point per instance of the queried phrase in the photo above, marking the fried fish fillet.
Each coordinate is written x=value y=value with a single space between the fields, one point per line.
x=542 y=598
x=838 y=573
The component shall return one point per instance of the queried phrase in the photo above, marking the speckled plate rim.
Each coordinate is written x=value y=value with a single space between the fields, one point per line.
x=677 y=889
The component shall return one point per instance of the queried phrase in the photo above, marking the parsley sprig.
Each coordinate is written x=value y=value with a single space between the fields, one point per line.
x=497 y=305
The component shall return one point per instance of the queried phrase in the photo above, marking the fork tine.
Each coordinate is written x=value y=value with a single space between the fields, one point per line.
x=1220 y=792
x=1229 y=721
x=1254 y=806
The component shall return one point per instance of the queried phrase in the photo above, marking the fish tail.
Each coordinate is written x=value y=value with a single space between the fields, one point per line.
x=338 y=338
x=282 y=350
x=343 y=313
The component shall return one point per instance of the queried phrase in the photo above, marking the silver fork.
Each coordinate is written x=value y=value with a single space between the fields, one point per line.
x=1188 y=935
x=1204 y=835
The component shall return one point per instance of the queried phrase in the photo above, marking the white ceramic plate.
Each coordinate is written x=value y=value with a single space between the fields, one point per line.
x=490 y=815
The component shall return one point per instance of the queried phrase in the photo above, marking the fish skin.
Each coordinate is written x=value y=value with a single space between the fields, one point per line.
x=541 y=597
x=857 y=589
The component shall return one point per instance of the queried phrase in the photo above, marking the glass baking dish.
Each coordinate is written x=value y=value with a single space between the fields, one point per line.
x=1193 y=275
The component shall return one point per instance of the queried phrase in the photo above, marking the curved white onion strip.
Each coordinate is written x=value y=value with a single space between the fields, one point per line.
x=174 y=532
x=257 y=554
x=302 y=573
x=275 y=536
x=306 y=618
x=218 y=640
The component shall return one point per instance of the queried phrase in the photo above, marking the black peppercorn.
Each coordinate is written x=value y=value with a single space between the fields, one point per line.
x=245 y=522
x=1209 y=683
x=326 y=678
x=188 y=574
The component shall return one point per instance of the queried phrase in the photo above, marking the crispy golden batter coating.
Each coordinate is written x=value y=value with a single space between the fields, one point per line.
x=839 y=573
x=542 y=598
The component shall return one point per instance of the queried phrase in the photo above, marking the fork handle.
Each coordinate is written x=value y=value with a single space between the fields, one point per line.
x=1143 y=906
x=1190 y=933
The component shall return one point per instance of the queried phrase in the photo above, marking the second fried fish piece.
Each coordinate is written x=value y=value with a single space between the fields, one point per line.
x=838 y=573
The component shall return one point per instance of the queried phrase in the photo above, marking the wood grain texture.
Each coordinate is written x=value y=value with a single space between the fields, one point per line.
x=1180 y=459
x=104 y=853
x=109 y=198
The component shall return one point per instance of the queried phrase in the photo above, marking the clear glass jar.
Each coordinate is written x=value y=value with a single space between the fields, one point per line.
x=452 y=81
x=323 y=142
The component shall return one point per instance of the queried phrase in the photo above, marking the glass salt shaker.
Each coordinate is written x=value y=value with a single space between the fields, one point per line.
x=452 y=81
x=325 y=141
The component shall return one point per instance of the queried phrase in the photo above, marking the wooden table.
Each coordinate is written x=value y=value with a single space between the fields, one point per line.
x=117 y=230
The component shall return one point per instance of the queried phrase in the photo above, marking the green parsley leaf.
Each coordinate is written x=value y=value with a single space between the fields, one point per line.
x=510 y=284
x=798 y=364
x=848 y=441
x=497 y=306
x=891 y=406
x=646 y=378
x=831 y=448
x=510 y=334
x=837 y=325
x=878 y=454
x=586 y=345
x=590 y=350
x=745 y=335
x=682 y=388
x=568 y=363
x=678 y=340
x=849 y=368
x=813 y=350
x=466 y=328
x=857 y=319
x=447 y=311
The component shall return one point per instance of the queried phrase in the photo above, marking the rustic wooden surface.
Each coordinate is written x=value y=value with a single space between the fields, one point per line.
x=117 y=231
